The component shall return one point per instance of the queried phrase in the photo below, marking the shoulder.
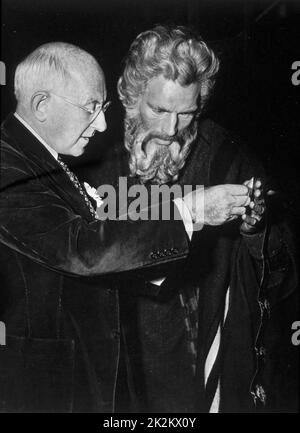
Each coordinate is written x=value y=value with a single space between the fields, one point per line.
x=221 y=139
x=231 y=158
x=9 y=151
x=14 y=166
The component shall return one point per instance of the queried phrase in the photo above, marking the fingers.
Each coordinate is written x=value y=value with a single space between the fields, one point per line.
x=257 y=203
x=235 y=189
x=249 y=183
x=242 y=200
x=257 y=184
x=257 y=193
x=251 y=219
x=232 y=217
x=257 y=207
x=238 y=210
x=232 y=201
x=243 y=190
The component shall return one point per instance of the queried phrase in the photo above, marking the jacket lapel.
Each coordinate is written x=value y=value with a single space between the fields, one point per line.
x=45 y=166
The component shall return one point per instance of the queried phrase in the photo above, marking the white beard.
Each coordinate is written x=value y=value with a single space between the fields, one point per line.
x=154 y=162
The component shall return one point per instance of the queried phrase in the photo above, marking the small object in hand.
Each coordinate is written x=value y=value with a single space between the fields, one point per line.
x=254 y=216
x=251 y=195
x=252 y=189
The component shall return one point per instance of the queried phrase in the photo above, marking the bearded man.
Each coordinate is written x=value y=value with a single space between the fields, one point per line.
x=209 y=340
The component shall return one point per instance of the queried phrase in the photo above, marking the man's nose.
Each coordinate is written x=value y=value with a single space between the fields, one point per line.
x=99 y=123
x=170 y=125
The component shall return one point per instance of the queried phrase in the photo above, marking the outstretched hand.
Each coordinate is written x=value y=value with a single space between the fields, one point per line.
x=218 y=204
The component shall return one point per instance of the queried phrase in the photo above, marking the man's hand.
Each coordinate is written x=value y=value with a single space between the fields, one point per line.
x=253 y=218
x=217 y=205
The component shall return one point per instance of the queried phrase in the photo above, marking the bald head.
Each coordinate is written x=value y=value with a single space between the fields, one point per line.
x=59 y=89
x=51 y=67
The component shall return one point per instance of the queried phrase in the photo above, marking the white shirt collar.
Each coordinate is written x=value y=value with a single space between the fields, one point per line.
x=52 y=151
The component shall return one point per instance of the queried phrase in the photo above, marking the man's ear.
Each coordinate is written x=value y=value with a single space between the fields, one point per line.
x=40 y=105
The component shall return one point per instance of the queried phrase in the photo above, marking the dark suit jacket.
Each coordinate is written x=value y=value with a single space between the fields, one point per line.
x=260 y=311
x=57 y=298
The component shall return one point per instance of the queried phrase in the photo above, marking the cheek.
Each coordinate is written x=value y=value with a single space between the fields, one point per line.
x=59 y=124
x=68 y=138
x=184 y=123
x=148 y=119
x=151 y=123
x=71 y=131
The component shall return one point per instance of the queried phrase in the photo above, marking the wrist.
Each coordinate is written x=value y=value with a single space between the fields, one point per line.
x=195 y=204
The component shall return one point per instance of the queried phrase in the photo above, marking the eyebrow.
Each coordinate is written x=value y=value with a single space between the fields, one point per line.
x=158 y=108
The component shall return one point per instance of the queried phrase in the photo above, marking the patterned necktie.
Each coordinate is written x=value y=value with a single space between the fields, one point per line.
x=75 y=181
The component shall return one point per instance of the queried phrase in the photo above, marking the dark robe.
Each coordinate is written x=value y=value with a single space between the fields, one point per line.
x=256 y=364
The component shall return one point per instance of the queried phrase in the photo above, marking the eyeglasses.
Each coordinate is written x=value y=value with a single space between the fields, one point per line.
x=94 y=112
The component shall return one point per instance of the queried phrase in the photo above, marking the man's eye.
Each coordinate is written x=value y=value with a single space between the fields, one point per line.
x=91 y=107
x=186 y=115
x=158 y=111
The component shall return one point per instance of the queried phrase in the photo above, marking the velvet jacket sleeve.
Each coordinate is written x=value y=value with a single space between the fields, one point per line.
x=36 y=221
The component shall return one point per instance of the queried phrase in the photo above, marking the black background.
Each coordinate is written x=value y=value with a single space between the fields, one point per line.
x=257 y=41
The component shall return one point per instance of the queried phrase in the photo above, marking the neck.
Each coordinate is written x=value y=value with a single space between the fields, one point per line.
x=31 y=121
x=24 y=114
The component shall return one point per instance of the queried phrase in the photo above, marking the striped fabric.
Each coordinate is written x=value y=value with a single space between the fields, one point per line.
x=212 y=365
x=189 y=301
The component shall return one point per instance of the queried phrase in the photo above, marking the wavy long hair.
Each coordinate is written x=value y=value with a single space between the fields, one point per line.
x=177 y=53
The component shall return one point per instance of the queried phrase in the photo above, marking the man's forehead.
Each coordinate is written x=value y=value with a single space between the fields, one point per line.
x=161 y=91
x=90 y=84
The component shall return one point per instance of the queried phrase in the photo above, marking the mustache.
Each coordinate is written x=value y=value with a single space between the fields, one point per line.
x=152 y=135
